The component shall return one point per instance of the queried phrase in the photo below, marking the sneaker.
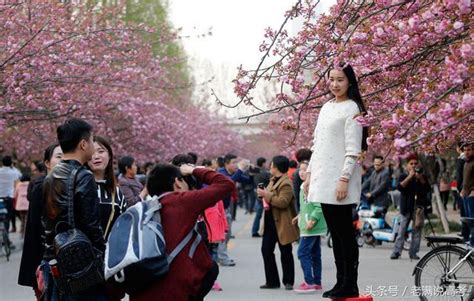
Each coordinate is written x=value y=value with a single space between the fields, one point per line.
x=288 y=286
x=414 y=257
x=305 y=288
x=216 y=287
x=395 y=255
x=229 y=263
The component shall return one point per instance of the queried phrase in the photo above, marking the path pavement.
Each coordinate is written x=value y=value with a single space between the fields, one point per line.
x=242 y=281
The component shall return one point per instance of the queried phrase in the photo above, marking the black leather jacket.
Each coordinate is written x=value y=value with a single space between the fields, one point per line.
x=86 y=204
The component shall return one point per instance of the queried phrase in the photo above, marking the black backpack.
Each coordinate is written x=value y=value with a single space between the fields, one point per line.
x=80 y=265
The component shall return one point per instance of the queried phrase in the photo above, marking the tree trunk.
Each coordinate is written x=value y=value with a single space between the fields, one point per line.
x=440 y=207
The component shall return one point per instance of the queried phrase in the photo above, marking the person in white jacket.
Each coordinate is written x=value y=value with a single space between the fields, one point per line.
x=334 y=178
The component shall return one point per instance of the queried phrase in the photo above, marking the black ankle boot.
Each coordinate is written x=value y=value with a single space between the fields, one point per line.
x=349 y=287
x=339 y=277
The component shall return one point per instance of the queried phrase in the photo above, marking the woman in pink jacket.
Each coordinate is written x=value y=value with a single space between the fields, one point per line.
x=216 y=229
x=21 y=203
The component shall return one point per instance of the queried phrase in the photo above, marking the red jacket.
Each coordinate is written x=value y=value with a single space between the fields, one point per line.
x=217 y=223
x=178 y=216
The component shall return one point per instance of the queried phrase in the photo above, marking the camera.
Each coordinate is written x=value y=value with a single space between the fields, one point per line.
x=261 y=185
x=418 y=170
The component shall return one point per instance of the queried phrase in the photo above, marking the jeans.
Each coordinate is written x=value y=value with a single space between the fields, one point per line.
x=469 y=209
x=11 y=213
x=250 y=198
x=415 y=235
x=465 y=231
x=53 y=294
x=309 y=254
x=222 y=254
x=258 y=217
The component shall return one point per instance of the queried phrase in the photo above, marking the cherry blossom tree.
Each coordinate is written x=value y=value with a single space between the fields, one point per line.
x=72 y=59
x=414 y=64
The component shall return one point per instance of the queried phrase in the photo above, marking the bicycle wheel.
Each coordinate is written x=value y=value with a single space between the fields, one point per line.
x=6 y=245
x=431 y=270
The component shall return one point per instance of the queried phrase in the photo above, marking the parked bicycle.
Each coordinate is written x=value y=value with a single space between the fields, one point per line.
x=4 y=239
x=447 y=271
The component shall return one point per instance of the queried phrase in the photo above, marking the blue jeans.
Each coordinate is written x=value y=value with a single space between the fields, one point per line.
x=250 y=198
x=53 y=293
x=309 y=254
x=258 y=216
x=469 y=210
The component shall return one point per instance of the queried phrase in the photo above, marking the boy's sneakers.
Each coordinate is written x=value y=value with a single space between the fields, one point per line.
x=305 y=288
x=216 y=287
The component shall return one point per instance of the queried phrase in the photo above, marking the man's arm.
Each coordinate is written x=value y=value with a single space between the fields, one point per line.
x=87 y=218
x=366 y=185
x=404 y=180
x=240 y=177
x=219 y=187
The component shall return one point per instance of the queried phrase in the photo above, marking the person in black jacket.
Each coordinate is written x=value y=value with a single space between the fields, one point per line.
x=76 y=140
x=414 y=188
x=33 y=247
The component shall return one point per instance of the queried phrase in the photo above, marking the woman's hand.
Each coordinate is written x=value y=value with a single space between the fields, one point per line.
x=294 y=221
x=341 y=190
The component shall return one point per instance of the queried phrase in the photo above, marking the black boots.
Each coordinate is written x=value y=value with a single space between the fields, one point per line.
x=349 y=287
x=339 y=277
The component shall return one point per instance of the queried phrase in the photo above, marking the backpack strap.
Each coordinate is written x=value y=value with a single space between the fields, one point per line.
x=195 y=244
x=112 y=214
x=180 y=246
x=155 y=206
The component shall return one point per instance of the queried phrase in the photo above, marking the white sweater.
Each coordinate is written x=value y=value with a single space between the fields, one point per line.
x=337 y=135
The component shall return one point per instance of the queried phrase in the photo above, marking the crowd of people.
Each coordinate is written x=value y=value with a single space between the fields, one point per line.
x=73 y=197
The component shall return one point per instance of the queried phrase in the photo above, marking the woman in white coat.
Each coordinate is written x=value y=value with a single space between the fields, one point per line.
x=335 y=175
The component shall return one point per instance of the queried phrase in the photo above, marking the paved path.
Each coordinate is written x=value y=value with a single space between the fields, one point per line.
x=242 y=281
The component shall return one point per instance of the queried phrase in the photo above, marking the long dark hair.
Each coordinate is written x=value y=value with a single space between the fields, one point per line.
x=354 y=94
x=52 y=209
x=109 y=176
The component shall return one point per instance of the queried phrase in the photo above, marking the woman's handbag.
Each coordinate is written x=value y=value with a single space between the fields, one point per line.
x=79 y=264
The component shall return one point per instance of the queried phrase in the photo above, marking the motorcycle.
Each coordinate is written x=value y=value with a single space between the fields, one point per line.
x=376 y=230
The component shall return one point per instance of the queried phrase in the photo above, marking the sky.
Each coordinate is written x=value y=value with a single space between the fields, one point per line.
x=237 y=28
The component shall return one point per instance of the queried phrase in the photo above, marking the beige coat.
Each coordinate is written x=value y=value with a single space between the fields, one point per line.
x=280 y=196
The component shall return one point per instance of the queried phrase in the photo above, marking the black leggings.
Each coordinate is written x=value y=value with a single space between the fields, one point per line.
x=339 y=221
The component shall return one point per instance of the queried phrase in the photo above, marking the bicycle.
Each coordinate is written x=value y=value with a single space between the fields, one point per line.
x=447 y=268
x=4 y=239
